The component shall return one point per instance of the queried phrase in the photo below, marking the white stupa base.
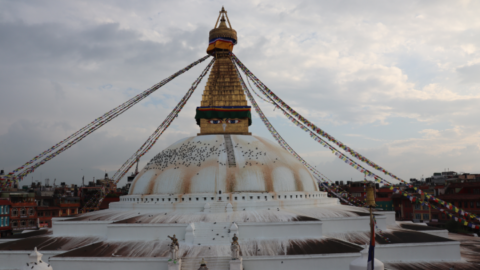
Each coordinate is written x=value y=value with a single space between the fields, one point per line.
x=176 y=265
x=362 y=262
x=236 y=264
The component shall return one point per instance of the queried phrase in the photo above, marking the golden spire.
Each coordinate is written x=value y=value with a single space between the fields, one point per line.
x=226 y=33
x=224 y=108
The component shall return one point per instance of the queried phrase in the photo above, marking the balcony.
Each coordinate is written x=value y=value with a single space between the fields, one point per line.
x=70 y=205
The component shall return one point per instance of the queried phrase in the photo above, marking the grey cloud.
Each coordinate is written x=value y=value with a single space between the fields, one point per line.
x=62 y=65
x=470 y=74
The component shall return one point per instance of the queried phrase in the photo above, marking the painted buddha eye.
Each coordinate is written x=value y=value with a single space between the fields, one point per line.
x=215 y=122
x=234 y=121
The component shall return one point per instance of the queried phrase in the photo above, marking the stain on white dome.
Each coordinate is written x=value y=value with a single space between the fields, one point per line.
x=208 y=164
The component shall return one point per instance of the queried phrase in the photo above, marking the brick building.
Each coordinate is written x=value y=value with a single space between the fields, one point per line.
x=5 y=226
x=23 y=210
x=462 y=194
x=56 y=202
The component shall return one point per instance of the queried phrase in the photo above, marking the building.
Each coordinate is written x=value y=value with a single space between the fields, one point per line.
x=356 y=191
x=5 y=226
x=463 y=193
x=383 y=199
x=54 y=201
x=230 y=200
x=90 y=194
x=23 y=210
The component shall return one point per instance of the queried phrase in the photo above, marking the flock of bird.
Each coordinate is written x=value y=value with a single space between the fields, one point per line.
x=195 y=153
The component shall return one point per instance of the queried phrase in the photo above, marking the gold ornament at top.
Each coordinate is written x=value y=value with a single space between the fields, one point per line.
x=370 y=195
x=223 y=30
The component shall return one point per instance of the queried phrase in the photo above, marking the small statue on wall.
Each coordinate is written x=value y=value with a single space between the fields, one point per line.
x=203 y=265
x=235 y=248
x=174 y=248
x=174 y=240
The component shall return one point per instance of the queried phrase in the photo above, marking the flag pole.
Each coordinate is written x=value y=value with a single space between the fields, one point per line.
x=371 y=204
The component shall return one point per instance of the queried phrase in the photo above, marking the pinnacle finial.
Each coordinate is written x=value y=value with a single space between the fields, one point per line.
x=222 y=31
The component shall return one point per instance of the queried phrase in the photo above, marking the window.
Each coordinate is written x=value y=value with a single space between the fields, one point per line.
x=235 y=198
x=23 y=212
x=22 y=223
x=425 y=207
x=183 y=199
x=418 y=216
x=31 y=212
x=426 y=217
x=476 y=191
x=1 y=222
x=31 y=222
x=15 y=224
x=1 y=209
x=472 y=204
x=14 y=212
x=189 y=199
x=478 y=204
x=418 y=207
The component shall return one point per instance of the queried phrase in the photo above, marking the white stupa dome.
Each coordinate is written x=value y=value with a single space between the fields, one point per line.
x=226 y=163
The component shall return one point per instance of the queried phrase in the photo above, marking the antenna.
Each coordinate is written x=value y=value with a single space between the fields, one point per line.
x=136 y=168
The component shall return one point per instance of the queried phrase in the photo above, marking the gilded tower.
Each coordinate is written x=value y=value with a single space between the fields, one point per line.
x=224 y=108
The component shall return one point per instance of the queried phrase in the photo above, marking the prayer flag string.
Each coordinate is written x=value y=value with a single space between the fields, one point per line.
x=19 y=173
x=148 y=144
x=293 y=115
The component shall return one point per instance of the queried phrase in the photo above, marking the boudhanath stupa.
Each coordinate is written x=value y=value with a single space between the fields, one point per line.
x=227 y=199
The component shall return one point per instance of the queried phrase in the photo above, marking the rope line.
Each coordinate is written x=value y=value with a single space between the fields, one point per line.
x=148 y=144
x=88 y=129
x=269 y=94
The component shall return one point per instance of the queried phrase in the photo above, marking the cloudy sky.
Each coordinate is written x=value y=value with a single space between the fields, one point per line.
x=398 y=81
